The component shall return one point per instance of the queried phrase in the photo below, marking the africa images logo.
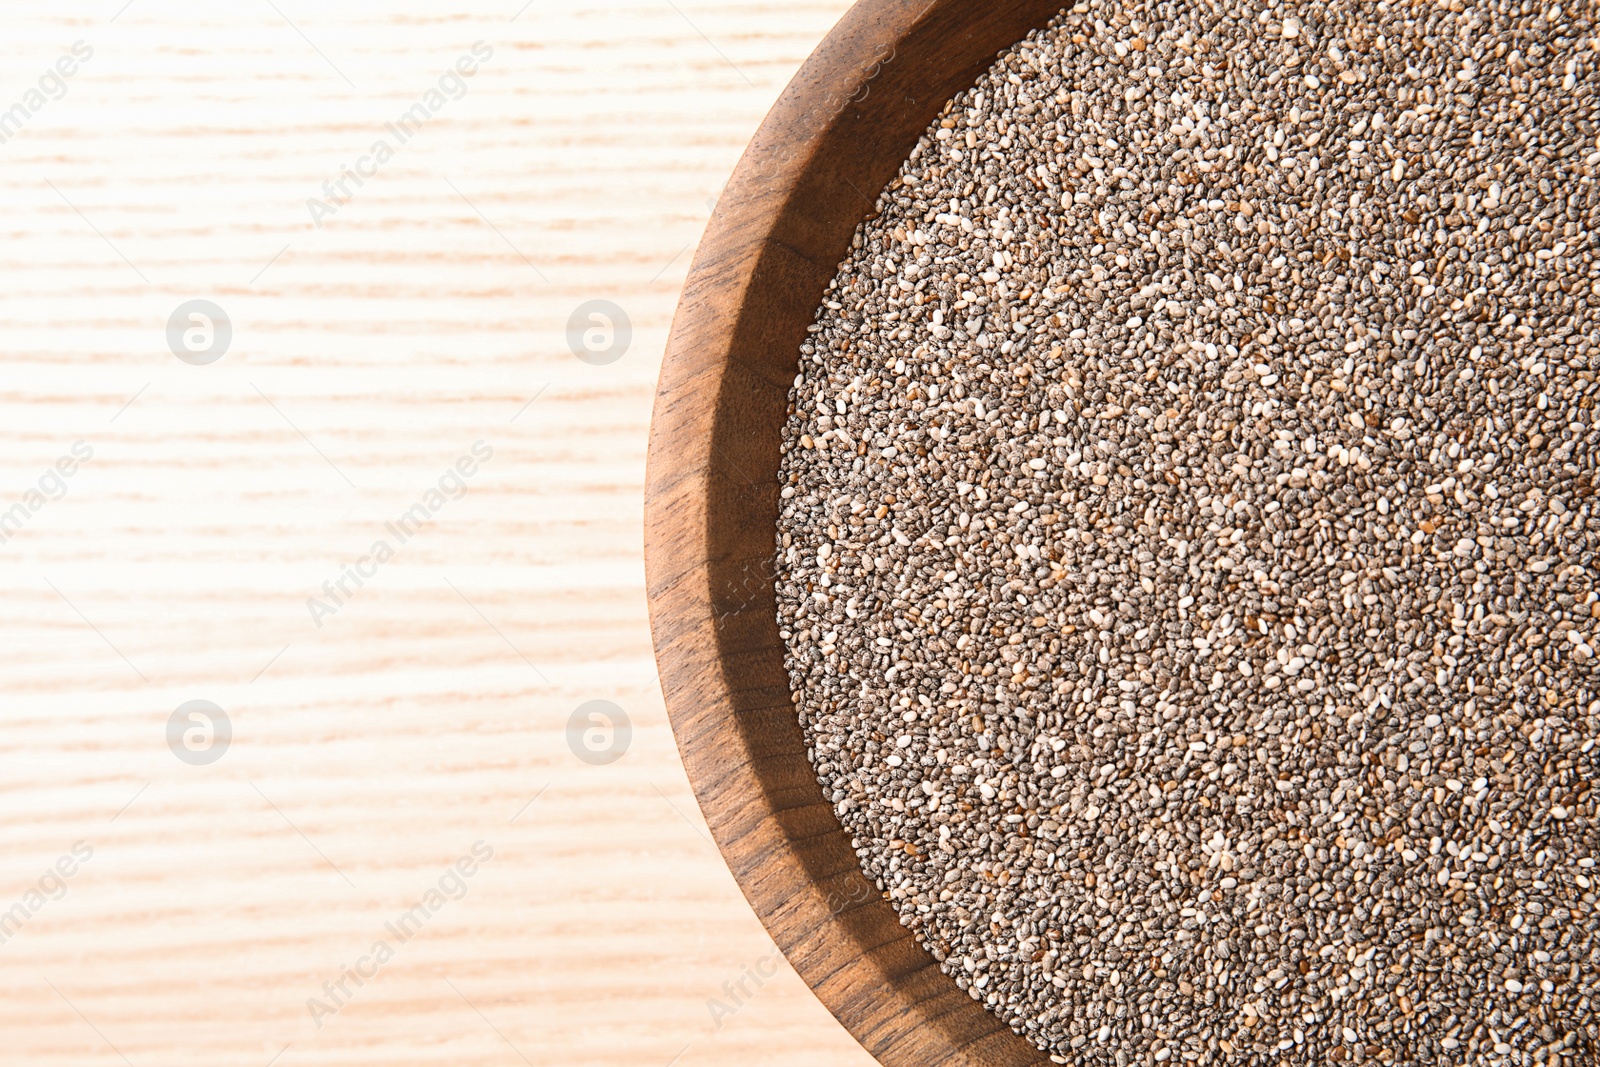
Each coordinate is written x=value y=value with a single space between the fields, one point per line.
x=452 y=85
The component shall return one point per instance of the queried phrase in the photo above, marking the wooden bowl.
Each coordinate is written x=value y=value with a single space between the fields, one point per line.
x=836 y=137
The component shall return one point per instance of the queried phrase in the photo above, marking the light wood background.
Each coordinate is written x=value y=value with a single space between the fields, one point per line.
x=368 y=355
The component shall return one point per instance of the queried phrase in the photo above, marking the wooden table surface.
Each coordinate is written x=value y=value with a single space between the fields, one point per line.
x=212 y=911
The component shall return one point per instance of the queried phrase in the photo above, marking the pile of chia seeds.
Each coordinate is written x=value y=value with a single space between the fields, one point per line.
x=1187 y=556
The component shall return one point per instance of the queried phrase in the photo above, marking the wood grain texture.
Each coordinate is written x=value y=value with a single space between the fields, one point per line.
x=837 y=135
x=368 y=355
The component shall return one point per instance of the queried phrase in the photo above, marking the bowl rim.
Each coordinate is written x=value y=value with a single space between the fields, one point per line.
x=841 y=129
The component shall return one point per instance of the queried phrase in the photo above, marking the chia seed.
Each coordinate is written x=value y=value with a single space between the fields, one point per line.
x=1185 y=559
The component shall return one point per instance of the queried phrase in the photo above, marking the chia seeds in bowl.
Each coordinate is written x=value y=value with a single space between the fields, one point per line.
x=1187 y=545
